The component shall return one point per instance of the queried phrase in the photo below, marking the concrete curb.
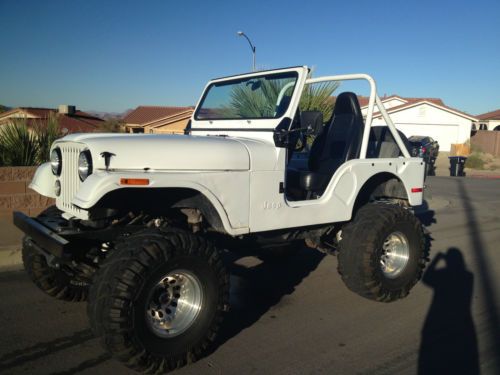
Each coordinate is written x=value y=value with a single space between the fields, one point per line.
x=10 y=258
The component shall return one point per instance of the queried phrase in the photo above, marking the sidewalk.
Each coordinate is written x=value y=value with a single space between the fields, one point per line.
x=10 y=246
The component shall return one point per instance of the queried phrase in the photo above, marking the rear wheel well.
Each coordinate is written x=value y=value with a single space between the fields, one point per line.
x=157 y=201
x=381 y=186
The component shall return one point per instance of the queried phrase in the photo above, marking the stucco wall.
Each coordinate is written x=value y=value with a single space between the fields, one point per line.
x=492 y=124
x=172 y=128
x=15 y=195
x=446 y=127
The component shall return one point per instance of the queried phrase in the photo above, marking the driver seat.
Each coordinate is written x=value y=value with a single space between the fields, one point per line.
x=337 y=142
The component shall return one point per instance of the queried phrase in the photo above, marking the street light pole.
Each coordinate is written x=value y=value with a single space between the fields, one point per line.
x=252 y=47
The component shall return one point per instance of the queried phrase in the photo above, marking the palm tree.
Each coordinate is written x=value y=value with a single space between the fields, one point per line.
x=318 y=97
x=258 y=98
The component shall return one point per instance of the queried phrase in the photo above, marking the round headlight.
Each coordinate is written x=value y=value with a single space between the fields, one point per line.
x=56 y=161
x=84 y=165
x=57 y=188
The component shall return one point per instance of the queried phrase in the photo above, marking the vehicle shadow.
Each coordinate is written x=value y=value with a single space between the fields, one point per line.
x=449 y=343
x=255 y=290
x=40 y=350
x=488 y=287
x=426 y=216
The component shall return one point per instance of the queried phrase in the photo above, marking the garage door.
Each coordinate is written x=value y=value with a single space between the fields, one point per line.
x=444 y=134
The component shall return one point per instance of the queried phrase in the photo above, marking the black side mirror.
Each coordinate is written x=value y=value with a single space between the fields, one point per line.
x=280 y=135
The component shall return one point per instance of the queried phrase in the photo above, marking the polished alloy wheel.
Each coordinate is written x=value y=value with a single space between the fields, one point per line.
x=174 y=303
x=395 y=254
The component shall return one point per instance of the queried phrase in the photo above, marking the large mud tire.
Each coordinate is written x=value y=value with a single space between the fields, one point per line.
x=362 y=258
x=120 y=297
x=60 y=282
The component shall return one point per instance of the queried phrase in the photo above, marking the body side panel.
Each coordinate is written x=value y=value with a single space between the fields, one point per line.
x=269 y=209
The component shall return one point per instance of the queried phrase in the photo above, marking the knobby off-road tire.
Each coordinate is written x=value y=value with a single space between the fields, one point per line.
x=59 y=282
x=382 y=252
x=135 y=276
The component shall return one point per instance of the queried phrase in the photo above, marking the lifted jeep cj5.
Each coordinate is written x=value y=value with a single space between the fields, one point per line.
x=139 y=218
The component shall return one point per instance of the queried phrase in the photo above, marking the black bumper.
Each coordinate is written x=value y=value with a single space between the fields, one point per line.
x=42 y=236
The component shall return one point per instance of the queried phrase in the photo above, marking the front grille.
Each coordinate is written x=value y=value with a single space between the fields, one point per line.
x=70 y=182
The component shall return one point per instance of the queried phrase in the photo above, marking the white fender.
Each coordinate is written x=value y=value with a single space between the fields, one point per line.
x=44 y=180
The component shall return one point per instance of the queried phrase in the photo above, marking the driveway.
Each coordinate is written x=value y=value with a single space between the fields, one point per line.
x=297 y=317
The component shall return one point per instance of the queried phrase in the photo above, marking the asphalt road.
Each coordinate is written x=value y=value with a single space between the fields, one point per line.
x=298 y=318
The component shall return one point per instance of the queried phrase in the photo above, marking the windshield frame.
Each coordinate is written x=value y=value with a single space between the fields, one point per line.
x=290 y=74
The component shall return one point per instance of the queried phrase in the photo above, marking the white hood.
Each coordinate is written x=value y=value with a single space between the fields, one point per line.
x=167 y=152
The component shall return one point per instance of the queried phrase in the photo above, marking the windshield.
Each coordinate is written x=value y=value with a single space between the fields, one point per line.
x=263 y=97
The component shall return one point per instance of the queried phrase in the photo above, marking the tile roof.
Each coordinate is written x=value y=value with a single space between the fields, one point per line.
x=363 y=100
x=493 y=115
x=144 y=114
x=79 y=122
x=170 y=119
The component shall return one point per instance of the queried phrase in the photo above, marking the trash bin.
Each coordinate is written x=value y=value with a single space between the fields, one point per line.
x=457 y=165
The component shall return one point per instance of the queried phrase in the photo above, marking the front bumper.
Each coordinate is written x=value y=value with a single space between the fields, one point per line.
x=43 y=237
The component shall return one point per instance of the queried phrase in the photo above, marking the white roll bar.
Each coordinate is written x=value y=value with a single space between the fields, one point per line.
x=374 y=99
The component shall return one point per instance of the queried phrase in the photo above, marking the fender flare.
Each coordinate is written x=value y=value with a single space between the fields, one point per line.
x=100 y=184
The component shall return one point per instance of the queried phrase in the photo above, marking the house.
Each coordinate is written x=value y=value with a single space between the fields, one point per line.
x=425 y=116
x=489 y=121
x=70 y=119
x=156 y=119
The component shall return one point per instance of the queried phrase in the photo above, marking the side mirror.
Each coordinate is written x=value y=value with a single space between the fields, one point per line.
x=280 y=135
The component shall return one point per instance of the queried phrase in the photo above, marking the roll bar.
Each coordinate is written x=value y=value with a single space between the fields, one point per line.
x=374 y=99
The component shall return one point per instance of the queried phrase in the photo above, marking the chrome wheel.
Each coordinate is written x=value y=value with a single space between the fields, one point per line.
x=174 y=303
x=395 y=254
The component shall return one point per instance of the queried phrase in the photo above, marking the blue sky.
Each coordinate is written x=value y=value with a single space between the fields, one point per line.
x=113 y=55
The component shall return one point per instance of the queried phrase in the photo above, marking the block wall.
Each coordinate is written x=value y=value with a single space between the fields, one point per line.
x=15 y=195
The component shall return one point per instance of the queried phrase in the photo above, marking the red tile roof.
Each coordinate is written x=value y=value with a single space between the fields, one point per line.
x=144 y=114
x=363 y=100
x=170 y=119
x=493 y=115
x=79 y=122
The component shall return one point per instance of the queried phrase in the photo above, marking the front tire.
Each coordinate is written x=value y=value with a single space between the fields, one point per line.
x=158 y=300
x=382 y=252
x=59 y=282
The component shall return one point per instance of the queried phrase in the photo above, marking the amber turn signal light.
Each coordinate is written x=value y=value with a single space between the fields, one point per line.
x=134 y=181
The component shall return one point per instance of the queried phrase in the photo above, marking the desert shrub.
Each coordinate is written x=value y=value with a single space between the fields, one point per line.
x=45 y=136
x=21 y=145
x=475 y=148
x=18 y=145
x=475 y=161
x=112 y=125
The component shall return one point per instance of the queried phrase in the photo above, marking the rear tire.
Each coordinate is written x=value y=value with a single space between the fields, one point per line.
x=382 y=252
x=136 y=300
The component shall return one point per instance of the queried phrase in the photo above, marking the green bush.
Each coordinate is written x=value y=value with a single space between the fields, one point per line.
x=475 y=161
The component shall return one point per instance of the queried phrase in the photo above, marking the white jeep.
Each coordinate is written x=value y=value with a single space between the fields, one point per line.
x=139 y=218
